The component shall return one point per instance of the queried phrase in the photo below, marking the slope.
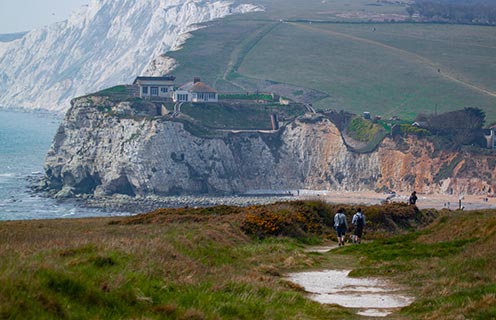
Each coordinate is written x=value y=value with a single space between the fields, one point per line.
x=386 y=68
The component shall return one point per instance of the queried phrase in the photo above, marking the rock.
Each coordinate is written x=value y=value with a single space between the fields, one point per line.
x=66 y=192
x=102 y=155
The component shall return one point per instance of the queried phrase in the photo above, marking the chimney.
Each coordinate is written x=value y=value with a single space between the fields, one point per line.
x=196 y=79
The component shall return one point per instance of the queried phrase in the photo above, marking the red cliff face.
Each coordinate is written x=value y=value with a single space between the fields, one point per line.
x=99 y=151
x=415 y=164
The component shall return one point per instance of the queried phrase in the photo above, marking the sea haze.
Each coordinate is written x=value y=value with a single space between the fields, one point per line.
x=24 y=140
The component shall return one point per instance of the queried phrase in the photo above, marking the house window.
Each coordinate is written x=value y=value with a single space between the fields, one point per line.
x=182 y=97
x=211 y=96
x=163 y=90
x=144 y=90
x=154 y=91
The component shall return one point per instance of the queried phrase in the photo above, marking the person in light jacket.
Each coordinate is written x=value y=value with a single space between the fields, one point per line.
x=340 y=225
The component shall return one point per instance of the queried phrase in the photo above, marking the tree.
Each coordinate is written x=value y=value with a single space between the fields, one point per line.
x=461 y=127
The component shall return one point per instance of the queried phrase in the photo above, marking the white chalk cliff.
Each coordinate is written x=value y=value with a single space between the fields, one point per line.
x=103 y=44
x=102 y=152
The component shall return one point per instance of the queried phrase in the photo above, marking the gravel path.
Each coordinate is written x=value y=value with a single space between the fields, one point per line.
x=371 y=297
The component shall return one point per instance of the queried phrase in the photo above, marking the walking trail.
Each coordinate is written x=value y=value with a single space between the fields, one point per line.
x=435 y=67
x=370 y=297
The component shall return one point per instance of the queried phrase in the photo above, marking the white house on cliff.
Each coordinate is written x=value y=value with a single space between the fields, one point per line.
x=195 y=91
x=163 y=88
x=150 y=87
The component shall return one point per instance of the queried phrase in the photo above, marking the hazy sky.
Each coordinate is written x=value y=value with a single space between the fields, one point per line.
x=25 y=15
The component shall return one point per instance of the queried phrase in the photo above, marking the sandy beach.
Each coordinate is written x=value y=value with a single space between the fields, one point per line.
x=132 y=205
x=468 y=202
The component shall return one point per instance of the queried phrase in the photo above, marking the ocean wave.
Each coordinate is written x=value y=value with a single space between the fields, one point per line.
x=7 y=175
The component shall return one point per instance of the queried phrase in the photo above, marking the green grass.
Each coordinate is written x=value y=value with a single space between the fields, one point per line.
x=248 y=96
x=90 y=269
x=386 y=68
x=116 y=93
x=363 y=130
x=364 y=71
x=248 y=116
x=198 y=264
x=448 y=267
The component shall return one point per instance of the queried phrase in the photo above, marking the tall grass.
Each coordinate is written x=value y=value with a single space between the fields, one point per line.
x=174 y=269
x=200 y=264
x=449 y=266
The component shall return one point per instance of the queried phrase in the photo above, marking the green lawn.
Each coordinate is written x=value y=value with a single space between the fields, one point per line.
x=229 y=263
x=385 y=68
x=245 y=115
x=364 y=71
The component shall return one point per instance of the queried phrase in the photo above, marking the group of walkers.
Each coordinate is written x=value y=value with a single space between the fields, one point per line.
x=358 y=222
x=341 y=226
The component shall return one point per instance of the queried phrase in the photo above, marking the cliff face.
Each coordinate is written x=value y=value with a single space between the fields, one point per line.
x=103 y=44
x=101 y=153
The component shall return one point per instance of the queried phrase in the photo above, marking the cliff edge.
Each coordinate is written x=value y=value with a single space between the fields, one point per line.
x=104 y=147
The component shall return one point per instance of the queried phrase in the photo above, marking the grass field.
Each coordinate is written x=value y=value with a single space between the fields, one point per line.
x=362 y=70
x=450 y=265
x=385 y=68
x=241 y=115
x=228 y=263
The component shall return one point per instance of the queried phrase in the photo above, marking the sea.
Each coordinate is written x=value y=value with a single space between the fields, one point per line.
x=25 y=138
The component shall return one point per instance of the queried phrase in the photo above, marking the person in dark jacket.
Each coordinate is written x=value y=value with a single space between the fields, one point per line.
x=413 y=198
x=358 y=222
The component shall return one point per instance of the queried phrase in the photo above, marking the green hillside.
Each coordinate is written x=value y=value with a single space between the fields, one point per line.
x=229 y=263
x=389 y=69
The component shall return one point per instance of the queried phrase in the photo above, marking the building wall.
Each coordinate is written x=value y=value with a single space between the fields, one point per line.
x=147 y=91
x=204 y=97
x=181 y=96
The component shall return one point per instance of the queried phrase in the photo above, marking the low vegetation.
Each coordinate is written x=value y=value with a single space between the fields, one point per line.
x=189 y=264
x=240 y=115
x=449 y=265
x=368 y=134
x=455 y=11
x=117 y=93
x=227 y=263
x=390 y=69
x=246 y=96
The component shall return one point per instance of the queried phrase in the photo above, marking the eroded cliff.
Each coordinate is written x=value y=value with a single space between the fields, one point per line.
x=100 y=149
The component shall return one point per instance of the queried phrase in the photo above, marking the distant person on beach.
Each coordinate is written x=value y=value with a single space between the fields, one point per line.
x=340 y=225
x=358 y=222
x=413 y=198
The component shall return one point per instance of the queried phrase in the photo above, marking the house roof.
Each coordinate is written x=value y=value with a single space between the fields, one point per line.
x=202 y=87
x=187 y=86
x=163 y=78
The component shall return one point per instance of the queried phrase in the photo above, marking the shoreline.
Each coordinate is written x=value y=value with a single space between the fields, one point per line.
x=136 y=205
x=425 y=201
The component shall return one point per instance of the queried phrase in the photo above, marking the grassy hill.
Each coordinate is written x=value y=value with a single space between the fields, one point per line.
x=240 y=116
x=346 y=61
x=450 y=265
x=227 y=263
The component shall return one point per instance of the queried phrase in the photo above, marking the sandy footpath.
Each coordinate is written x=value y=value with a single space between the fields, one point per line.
x=468 y=202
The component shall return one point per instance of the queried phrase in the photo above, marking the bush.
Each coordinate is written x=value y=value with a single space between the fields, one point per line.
x=305 y=219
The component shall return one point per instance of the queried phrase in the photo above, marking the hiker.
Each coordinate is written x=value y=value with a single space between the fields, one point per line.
x=340 y=225
x=413 y=198
x=358 y=222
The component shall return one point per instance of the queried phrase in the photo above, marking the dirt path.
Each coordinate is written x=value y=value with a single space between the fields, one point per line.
x=435 y=67
x=371 y=297
x=239 y=54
